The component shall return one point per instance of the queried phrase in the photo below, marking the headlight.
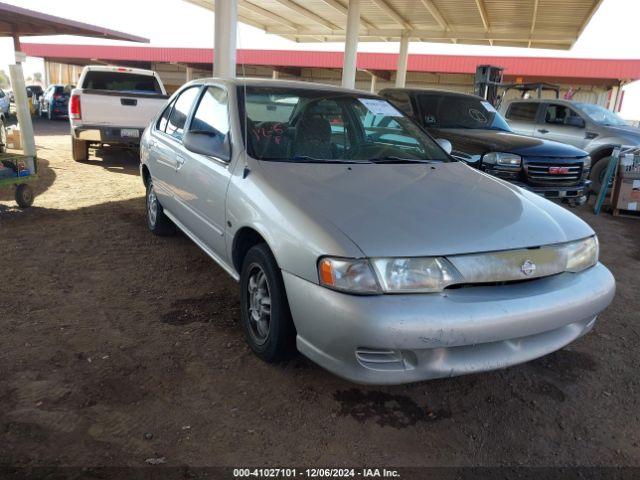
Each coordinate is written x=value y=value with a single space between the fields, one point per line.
x=392 y=275
x=347 y=275
x=429 y=274
x=582 y=254
x=502 y=159
x=587 y=163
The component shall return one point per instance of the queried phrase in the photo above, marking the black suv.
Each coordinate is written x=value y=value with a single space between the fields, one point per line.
x=483 y=139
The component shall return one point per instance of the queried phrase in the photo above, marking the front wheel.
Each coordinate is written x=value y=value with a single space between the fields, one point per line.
x=598 y=172
x=266 y=318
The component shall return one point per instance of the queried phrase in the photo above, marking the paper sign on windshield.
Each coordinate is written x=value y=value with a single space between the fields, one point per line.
x=488 y=106
x=380 y=107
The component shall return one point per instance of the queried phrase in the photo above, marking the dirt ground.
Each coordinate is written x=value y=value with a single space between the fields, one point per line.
x=117 y=346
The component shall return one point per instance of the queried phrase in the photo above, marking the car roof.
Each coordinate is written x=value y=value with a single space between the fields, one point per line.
x=270 y=83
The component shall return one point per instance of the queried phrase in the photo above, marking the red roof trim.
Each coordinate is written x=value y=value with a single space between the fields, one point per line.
x=514 y=66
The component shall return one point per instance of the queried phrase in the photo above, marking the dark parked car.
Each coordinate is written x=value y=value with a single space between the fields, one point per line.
x=34 y=90
x=54 y=102
x=482 y=138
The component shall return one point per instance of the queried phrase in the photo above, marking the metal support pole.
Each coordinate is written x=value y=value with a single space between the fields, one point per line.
x=47 y=77
x=374 y=80
x=189 y=74
x=351 y=45
x=403 y=57
x=22 y=107
x=275 y=74
x=22 y=110
x=615 y=90
x=226 y=22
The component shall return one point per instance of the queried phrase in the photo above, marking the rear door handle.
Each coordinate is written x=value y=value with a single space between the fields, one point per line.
x=543 y=130
x=179 y=162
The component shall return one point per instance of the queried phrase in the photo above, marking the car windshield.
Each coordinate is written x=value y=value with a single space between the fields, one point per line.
x=601 y=115
x=440 y=110
x=303 y=125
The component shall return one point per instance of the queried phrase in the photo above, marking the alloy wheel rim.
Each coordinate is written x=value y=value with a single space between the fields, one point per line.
x=258 y=304
x=152 y=207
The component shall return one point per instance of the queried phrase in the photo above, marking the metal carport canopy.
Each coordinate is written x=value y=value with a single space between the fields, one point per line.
x=16 y=22
x=554 y=24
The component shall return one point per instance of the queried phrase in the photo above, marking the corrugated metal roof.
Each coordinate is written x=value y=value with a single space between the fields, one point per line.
x=554 y=24
x=514 y=66
x=17 y=20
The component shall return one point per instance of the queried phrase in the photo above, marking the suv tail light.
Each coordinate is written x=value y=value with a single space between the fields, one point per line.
x=75 y=110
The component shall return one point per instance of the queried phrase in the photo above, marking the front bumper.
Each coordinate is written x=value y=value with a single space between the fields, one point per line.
x=575 y=191
x=393 y=339
x=104 y=134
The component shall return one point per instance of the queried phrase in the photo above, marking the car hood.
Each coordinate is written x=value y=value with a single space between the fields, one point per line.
x=629 y=132
x=479 y=141
x=423 y=209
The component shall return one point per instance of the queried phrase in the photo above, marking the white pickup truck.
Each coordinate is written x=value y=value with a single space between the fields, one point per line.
x=112 y=106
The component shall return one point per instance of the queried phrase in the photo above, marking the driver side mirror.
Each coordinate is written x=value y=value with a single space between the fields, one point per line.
x=445 y=145
x=209 y=144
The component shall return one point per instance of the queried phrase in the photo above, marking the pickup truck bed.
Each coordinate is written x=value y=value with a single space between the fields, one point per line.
x=113 y=106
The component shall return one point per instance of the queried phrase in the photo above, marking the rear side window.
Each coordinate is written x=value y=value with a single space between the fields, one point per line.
x=522 y=111
x=121 y=82
x=164 y=118
x=180 y=112
x=212 y=118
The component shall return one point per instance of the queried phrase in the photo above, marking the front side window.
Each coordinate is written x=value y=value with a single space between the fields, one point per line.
x=522 y=111
x=561 y=115
x=180 y=112
x=212 y=119
x=303 y=125
x=459 y=111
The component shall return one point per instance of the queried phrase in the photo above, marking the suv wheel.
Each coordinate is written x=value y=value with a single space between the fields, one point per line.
x=157 y=221
x=266 y=318
x=3 y=137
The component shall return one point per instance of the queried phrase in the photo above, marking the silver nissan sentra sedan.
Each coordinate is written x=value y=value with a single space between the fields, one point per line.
x=356 y=238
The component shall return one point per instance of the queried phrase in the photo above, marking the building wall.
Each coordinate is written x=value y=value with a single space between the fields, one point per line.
x=174 y=76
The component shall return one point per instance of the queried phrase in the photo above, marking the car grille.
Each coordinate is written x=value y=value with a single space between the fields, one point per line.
x=553 y=173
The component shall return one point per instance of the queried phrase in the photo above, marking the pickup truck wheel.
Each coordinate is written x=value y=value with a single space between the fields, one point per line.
x=79 y=150
x=598 y=172
x=157 y=221
x=266 y=318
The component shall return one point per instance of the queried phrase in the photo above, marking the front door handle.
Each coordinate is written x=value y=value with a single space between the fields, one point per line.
x=179 y=162
x=543 y=130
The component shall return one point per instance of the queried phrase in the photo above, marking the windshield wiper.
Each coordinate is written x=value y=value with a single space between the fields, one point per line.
x=308 y=159
x=394 y=159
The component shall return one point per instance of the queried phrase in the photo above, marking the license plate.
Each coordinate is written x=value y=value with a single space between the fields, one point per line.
x=129 y=133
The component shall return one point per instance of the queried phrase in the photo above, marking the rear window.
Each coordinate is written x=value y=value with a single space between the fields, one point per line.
x=121 y=82
x=522 y=111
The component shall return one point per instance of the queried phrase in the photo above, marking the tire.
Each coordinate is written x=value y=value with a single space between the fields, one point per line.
x=266 y=318
x=598 y=172
x=79 y=150
x=3 y=137
x=24 y=196
x=157 y=221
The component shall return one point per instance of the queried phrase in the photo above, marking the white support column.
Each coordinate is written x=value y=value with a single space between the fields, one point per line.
x=22 y=106
x=351 y=45
x=403 y=57
x=275 y=74
x=59 y=73
x=613 y=99
x=189 y=74
x=226 y=23
x=47 y=67
x=374 y=80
